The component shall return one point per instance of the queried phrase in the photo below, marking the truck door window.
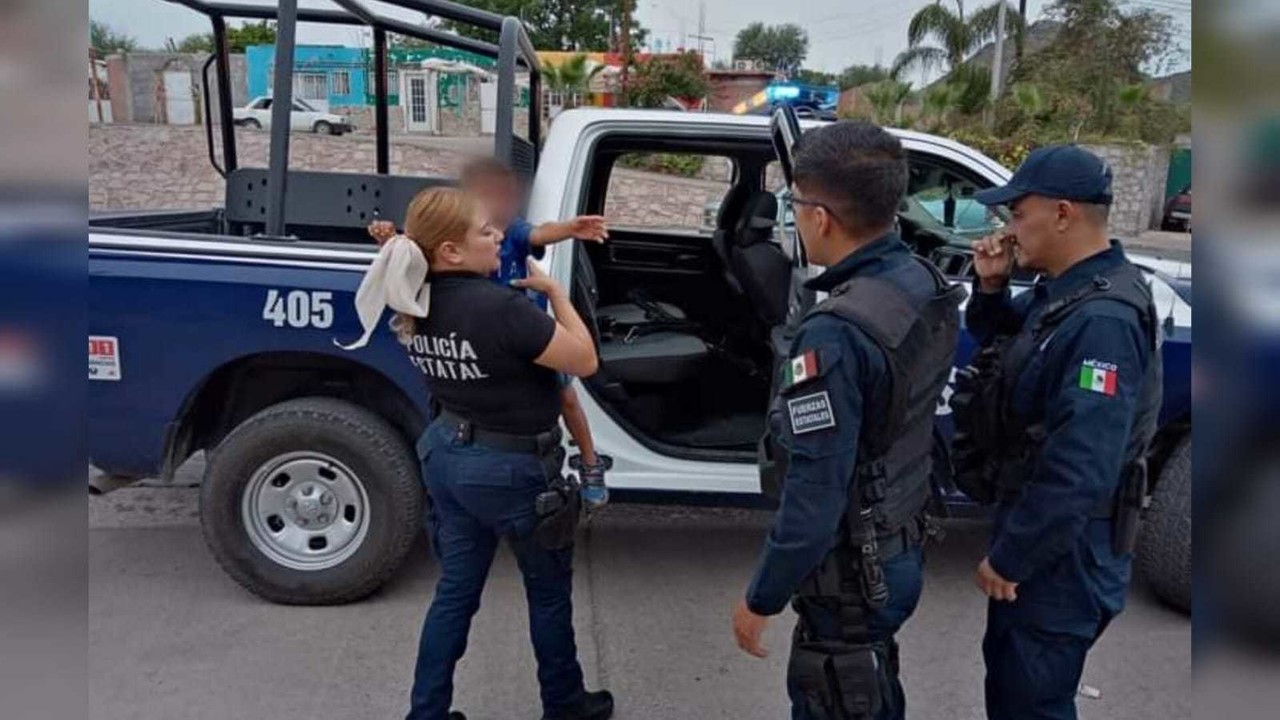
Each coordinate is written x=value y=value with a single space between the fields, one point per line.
x=679 y=193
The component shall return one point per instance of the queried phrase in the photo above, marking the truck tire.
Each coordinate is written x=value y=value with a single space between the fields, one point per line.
x=251 y=124
x=314 y=501
x=1164 y=549
x=324 y=128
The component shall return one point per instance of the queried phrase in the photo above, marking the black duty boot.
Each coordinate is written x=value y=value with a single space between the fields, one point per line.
x=593 y=706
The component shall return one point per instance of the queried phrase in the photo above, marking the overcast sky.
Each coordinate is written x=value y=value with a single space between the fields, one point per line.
x=841 y=32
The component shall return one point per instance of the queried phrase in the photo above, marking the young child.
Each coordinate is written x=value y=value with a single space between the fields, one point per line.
x=498 y=188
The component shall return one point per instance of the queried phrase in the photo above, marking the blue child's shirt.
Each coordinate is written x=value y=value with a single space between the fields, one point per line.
x=514 y=256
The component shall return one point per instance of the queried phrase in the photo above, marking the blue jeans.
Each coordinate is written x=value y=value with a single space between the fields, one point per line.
x=477 y=496
x=904 y=574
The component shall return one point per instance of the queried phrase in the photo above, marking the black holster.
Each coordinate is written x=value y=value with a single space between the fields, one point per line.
x=837 y=680
x=1128 y=511
x=558 y=507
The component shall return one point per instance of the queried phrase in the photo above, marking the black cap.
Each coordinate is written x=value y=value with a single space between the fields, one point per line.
x=1060 y=172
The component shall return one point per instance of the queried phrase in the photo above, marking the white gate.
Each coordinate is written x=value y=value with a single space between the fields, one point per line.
x=179 y=102
x=488 y=107
x=419 y=101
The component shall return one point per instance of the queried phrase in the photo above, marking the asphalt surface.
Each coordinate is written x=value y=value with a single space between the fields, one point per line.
x=171 y=637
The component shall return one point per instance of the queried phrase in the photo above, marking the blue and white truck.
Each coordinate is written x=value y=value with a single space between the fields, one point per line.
x=214 y=329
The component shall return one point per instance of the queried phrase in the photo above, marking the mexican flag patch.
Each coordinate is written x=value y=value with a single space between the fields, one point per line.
x=1099 y=377
x=801 y=368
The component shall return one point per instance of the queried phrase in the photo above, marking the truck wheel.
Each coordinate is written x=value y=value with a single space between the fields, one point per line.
x=1164 y=550
x=323 y=128
x=314 y=501
x=251 y=124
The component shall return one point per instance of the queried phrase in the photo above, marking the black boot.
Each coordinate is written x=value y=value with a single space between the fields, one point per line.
x=455 y=715
x=593 y=706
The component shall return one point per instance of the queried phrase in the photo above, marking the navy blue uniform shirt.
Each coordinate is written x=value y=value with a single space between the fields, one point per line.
x=1083 y=384
x=823 y=449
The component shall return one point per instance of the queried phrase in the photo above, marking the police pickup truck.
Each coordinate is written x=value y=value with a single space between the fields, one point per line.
x=215 y=329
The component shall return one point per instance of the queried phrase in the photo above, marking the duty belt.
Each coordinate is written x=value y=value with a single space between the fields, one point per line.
x=537 y=444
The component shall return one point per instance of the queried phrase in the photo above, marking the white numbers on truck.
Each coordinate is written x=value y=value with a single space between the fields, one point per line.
x=299 y=308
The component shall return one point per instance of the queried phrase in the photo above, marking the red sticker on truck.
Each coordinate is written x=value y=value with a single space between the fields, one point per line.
x=104 y=358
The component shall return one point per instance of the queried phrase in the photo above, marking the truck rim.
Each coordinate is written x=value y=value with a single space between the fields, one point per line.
x=305 y=510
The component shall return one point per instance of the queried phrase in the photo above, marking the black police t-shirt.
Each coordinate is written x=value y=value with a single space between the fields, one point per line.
x=476 y=349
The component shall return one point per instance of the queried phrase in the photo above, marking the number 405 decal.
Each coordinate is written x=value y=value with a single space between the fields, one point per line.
x=299 y=308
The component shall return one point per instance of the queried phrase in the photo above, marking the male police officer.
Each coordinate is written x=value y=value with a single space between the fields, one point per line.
x=851 y=433
x=1054 y=422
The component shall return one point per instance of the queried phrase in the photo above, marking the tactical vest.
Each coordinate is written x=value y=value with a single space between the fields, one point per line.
x=994 y=451
x=895 y=449
x=841 y=678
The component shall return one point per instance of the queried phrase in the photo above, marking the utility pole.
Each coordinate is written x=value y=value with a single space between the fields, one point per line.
x=997 y=64
x=1022 y=36
x=626 y=46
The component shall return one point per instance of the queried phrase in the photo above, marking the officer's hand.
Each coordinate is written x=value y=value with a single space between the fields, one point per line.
x=589 y=227
x=747 y=628
x=382 y=230
x=538 y=281
x=995 y=587
x=993 y=260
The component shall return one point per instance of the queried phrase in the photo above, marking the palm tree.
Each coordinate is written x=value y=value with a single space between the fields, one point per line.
x=939 y=101
x=956 y=36
x=886 y=98
x=571 y=78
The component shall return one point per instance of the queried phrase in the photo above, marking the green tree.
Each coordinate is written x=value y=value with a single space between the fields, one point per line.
x=660 y=77
x=887 y=98
x=571 y=78
x=1093 y=73
x=814 y=77
x=859 y=75
x=104 y=40
x=779 y=47
x=955 y=35
x=938 y=103
x=238 y=38
x=581 y=25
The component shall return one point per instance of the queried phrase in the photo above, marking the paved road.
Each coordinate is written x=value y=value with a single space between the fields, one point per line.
x=171 y=637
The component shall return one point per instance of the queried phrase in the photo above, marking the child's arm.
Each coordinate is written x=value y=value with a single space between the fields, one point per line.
x=583 y=227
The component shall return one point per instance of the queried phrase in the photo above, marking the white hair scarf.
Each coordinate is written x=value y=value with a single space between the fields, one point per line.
x=397 y=279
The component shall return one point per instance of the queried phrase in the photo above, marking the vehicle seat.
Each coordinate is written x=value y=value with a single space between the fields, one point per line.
x=759 y=262
x=727 y=222
x=638 y=354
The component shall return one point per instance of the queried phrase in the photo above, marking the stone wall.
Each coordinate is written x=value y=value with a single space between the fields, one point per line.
x=1140 y=173
x=167 y=166
x=159 y=167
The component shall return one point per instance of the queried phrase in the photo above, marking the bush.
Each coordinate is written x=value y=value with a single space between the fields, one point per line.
x=665 y=163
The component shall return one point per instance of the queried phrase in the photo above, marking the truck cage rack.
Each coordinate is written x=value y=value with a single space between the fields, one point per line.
x=265 y=198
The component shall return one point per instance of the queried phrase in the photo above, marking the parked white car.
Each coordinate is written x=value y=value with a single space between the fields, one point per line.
x=257 y=115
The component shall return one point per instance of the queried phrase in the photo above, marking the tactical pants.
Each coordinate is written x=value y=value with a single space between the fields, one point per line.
x=904 y=575
x=1035 y=647
x=477 y=496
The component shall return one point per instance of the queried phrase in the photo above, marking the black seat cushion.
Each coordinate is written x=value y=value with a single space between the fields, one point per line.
x=759 y=263
x=632 y=314
x=660 y=357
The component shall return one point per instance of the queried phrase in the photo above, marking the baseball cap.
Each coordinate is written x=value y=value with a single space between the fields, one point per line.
x=1060 y=172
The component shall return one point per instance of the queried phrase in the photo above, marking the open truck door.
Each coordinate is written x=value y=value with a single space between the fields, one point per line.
x=785 y=132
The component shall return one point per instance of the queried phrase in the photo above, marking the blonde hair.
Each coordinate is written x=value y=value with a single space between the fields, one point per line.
x=434 y=216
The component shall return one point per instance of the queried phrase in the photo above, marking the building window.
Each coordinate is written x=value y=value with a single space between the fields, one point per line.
x=341 y=82
x=393 y=81
x=311 y=86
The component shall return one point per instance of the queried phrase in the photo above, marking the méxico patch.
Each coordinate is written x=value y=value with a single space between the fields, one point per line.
x=811 y=412
x=801 y=368
x=1100 y=377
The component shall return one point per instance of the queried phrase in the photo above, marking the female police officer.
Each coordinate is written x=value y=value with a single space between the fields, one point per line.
x=489 y=357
